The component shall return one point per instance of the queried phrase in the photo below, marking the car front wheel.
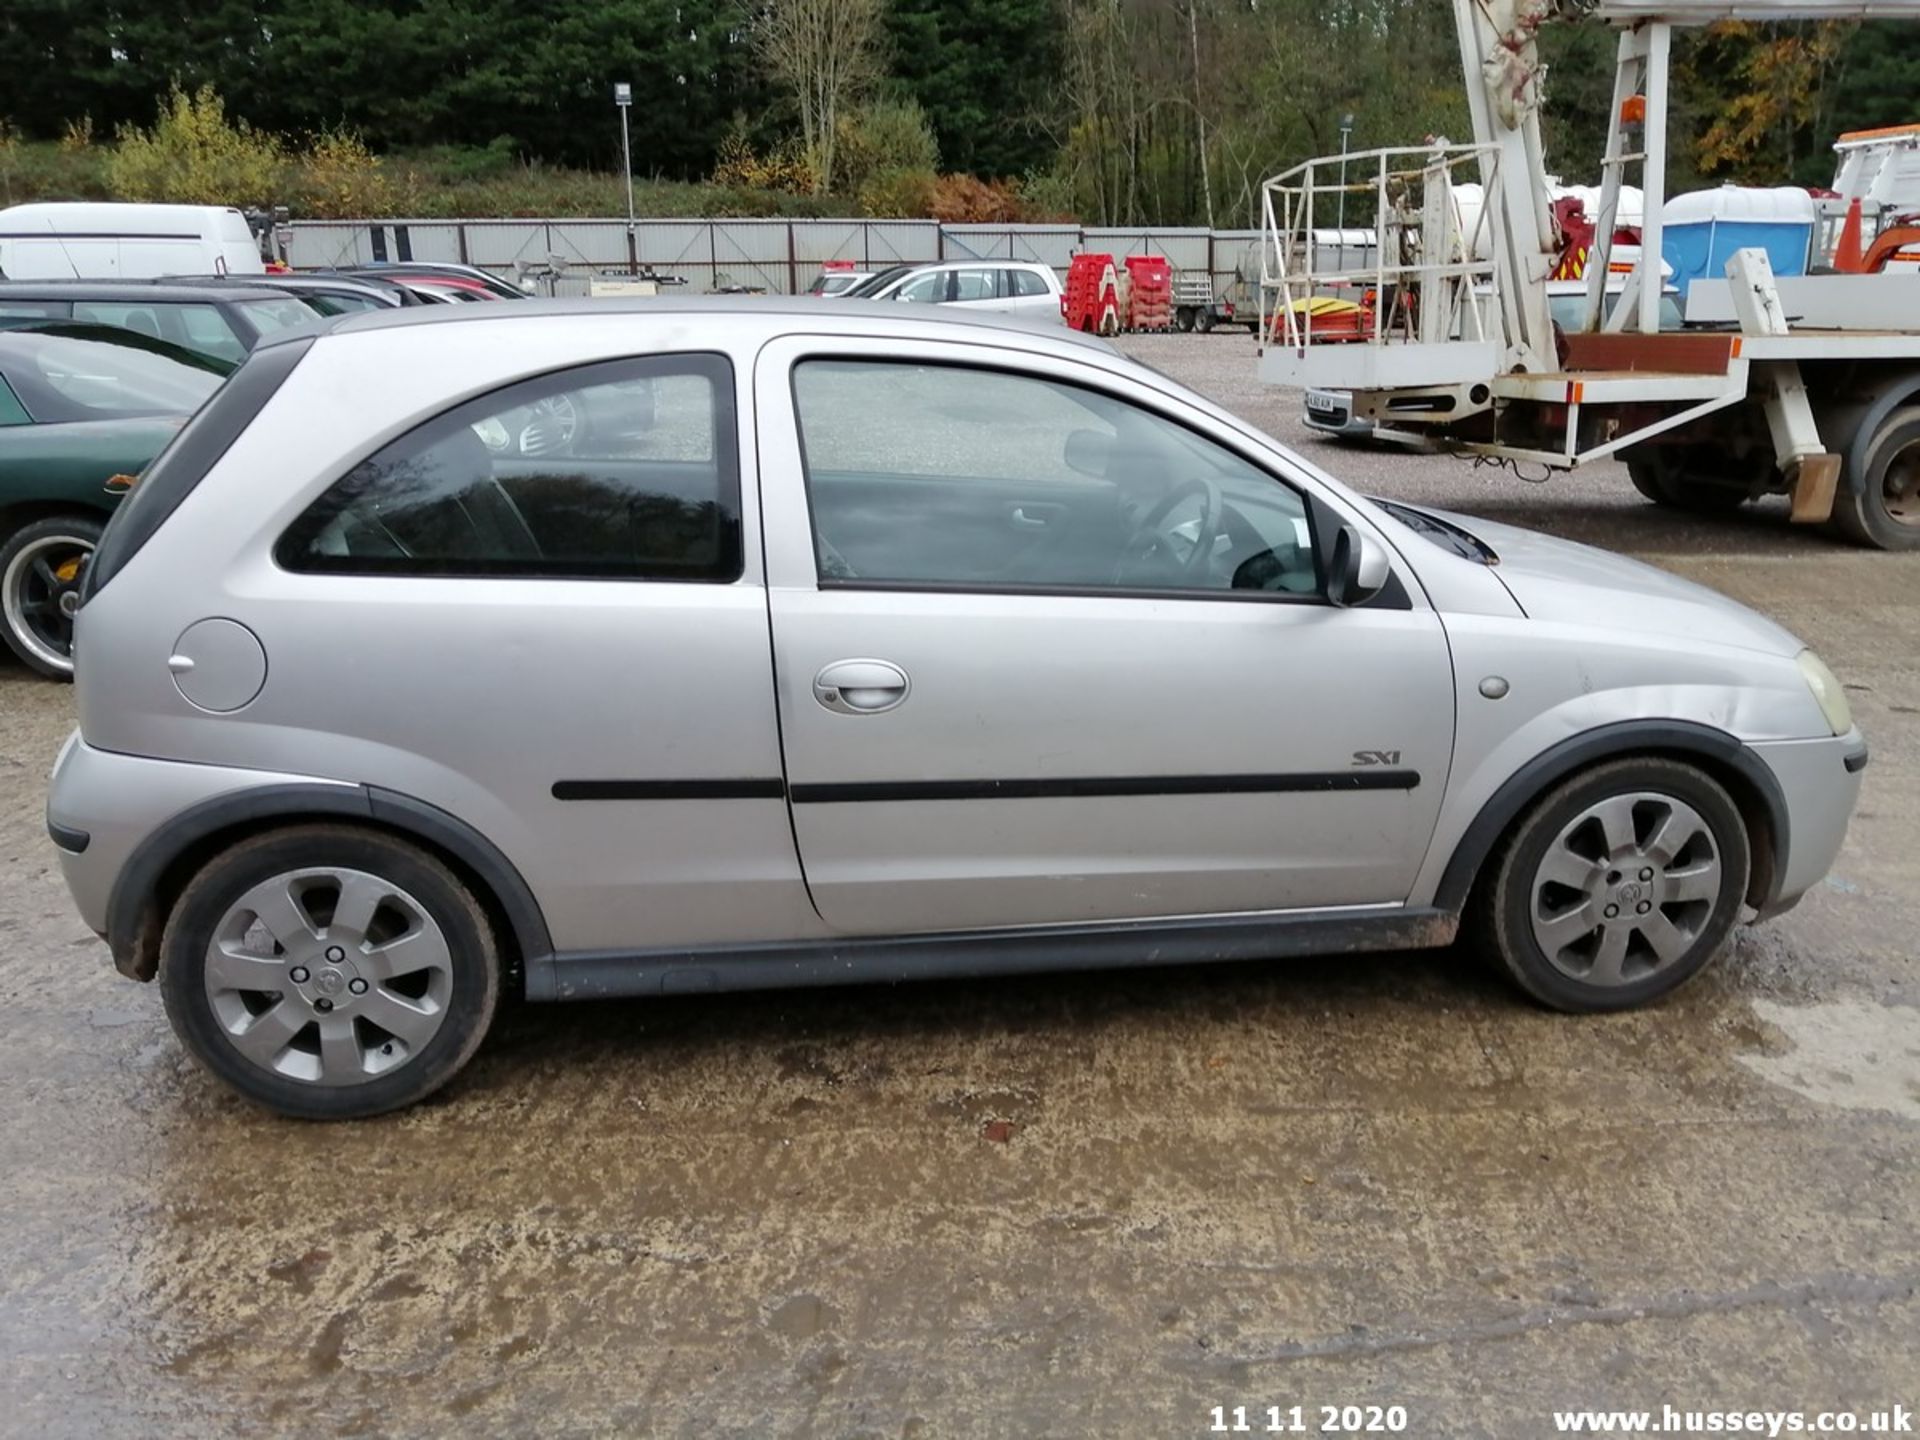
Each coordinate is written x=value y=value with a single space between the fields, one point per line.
x=40 y=568
x=327 y=972
x=1617 y=886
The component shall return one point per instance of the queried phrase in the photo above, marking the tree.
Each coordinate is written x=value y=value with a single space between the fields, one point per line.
x=985 y=72
x=825 y=53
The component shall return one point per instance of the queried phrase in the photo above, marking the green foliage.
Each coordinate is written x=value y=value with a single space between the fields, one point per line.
x=898 y=194
x=194 y=155
x=336 y=175
x=986 y=73
x=1048 y=194
x=1112 y=110
x=883 y=137
x=786 y=168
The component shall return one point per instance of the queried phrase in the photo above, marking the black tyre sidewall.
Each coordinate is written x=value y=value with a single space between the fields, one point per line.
x=1664 y=485
x=1511 y=932
x=1859 y=512
x=81 y=527
x=205 y=901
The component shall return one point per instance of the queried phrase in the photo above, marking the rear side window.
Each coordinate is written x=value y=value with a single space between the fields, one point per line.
x=184 y=464
x=1026 y=282
x=621 y=470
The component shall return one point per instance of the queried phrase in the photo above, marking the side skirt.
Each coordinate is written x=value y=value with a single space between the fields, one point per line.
x=594 y=975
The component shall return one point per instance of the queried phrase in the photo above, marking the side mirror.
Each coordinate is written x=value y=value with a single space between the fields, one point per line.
x=1357 y=569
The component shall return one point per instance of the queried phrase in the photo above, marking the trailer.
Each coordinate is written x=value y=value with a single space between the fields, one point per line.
x=1805 y=385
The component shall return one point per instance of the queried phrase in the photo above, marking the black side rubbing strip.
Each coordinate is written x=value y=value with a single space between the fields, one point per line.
x=774 y=789
x=1092 y=786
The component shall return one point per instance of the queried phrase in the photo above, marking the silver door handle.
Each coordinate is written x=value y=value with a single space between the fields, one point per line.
x=860 y=687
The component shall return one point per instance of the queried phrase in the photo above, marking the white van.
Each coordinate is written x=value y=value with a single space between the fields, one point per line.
x=98 y=241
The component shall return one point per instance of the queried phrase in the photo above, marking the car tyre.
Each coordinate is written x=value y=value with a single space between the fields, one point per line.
x=1616 y=887
x=34 y=581
x=1664 y=483
x=328 y=972
x=1880 y=505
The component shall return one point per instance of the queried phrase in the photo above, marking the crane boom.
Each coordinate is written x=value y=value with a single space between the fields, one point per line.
x=1446 y=329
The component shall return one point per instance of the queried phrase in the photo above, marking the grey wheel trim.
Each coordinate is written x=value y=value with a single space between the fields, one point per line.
x=331 y=976
x=37 y=604
x=1626 y=889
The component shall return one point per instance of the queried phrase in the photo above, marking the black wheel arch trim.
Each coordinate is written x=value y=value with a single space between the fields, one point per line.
x=133 y=927
x=1680 y=738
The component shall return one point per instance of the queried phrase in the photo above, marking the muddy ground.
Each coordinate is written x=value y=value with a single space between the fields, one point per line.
x=1100 y=1204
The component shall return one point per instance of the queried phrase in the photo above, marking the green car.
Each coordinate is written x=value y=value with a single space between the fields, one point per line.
x=83 y=409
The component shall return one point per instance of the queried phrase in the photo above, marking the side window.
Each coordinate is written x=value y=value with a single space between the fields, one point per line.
x=626 y=469
x=1025 y=283
x=952 y=476
x=928 y=289
x=203 y=328
x=12 y=412
x=140 y=318
x=52 y=309
x=974 y=284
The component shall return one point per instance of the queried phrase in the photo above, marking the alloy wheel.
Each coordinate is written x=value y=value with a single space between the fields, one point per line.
x=1627 y=888
x=330 y=976
x=39 y=594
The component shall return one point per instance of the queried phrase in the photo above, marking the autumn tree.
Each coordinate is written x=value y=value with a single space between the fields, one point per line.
x=825 y=54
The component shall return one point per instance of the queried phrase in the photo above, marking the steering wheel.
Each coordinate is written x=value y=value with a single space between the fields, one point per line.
x=1148 y=537
x=548 y=426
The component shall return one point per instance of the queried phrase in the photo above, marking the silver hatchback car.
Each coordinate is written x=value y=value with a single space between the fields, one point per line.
x=606 y=649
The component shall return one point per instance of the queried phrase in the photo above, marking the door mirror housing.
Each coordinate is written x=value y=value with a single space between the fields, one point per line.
x=1357 y=568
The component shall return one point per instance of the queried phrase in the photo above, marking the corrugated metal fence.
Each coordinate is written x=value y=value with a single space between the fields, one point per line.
x=781 y=256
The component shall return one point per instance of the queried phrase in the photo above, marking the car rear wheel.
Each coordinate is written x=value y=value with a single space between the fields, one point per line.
x=327 y=972
x=40 y=568
x=1617 y=886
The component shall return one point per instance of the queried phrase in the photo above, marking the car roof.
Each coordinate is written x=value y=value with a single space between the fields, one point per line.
x=128 y=290
x=789 y=314
x=969 y=261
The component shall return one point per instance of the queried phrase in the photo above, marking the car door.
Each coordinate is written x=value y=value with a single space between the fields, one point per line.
x=1029 y=292
x=541 y=610
x=930 y=288
x=1017 y=686
x=977 y=287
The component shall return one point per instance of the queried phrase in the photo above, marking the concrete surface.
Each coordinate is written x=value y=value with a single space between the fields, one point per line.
x=1093 y=1205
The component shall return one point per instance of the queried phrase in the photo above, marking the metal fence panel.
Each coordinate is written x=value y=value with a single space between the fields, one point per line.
x=900 y=242
x=496 y=244
x=780 y=255
x=1185 y=249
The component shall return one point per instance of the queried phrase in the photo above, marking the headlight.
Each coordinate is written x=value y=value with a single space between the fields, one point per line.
x=1826 y=690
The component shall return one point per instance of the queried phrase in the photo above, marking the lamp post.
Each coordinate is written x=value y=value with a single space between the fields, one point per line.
x=623 y=101
x=1346 y=129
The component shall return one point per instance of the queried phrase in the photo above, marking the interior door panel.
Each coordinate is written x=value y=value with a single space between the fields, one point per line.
x=993 y=531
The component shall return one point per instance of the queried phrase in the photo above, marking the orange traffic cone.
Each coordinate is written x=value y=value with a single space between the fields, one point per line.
x=1848 y=258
